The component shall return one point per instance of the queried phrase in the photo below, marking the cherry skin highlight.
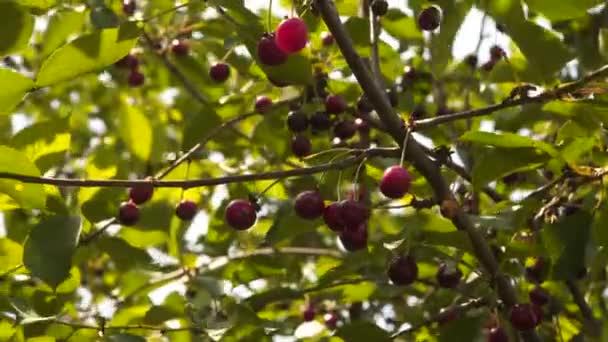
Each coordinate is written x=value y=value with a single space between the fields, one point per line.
x=403 y=270
x=219 y=72
x=448 y=277
x=297 y=121
x=240 y=214
x=291 y=35
x=395 y=182
x=263 y=104
x=497 y=334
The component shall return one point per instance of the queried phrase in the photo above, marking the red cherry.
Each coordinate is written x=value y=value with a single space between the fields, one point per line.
x=403 y=270
x=345 y=129
x=140 y=194
x=327 y=39
x=358 y=193
x=363 y=105
x=128 y=7
x=309 y=313
x=524 y=317
x=320 y=121
x=448 y=277
x=430 y=18
x=395 y=182
x=292 y=35
x=335 y=104
x=219 y=72
x=497 y=53
x=497 y=334
x=379 y=7
x=240 y=214
x=300 y=146
x=331 y=320
x=353 y=213
x=333 y=218
x=263 y=104
x=446 y=316
x=354 y=239
x=268 y=51
x=539 y=296
x=309 y=205
x=136 y=78
x=180 y=47
x=488 y=66
x=186 y=210
x=297 y=121
x=128 y=213
x=129 y=61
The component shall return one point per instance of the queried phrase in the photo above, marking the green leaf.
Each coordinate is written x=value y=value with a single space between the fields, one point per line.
x=599 y=227
x=507 y=140
x=296 y=71
x=562 y=9
x=44 y=139
x=103 y=17
x=39 y=4
x=400 y=26
x=136 y=131
x=577 y=149
x=16 y=26
x=88 y=53
x=123 y=337
x=11 y=254
x=462 y=329
x=566 y=241
x=494 y=163
x=124 y=255
x=14 y=87
x=362 y=332
x=49 y=248
x=26 y=195
x=61 y=25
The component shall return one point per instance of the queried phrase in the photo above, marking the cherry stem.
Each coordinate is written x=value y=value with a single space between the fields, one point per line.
x=165 y=12
x=269 y=186
x=338 y=185
x=181 y=196
x=405 y=140
x=356 y=180
x=269 y=15
x=227 y=54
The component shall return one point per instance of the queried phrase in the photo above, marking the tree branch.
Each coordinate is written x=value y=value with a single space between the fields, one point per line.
x=593 y=326
x=416 y=155
x=547 y=96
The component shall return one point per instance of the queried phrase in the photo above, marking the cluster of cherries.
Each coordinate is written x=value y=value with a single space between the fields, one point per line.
x=128 y=211
x=330 y=318
x=290 y=37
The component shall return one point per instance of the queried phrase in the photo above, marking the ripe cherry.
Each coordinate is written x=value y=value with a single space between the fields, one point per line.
x=327 y=39
x=297 y=121
x=129 y=61
x=448 y=276
x=309 y=313
x=136 y=78
x=430 y=18
x=320 y=121
x=240 y=214
x=128 y=7
x=524 y=317
x=300 y=145
x=335 y=104
x=447 y=315
x=128 y=213
x=363 y=105
x=471 y=60
x=268 y=51
x=354 y=239
x=345 y=129
x=263 y=104
x=403 y=270
x=291 y=35
x=331 y=320
x=140 y=194
x=395 y=182
x=219 y=72
x=180 y=47
x=539 y=296
x=497 y=334
x=488 y=66
x=309 y=204
x=353 y=213
x=497 y=53
x=358 y=193
x=362 y=125
x=333 y=217
x=379 y=7
x=186 y=210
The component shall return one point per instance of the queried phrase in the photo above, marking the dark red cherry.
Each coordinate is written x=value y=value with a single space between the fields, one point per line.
x=300 y=146
x=141 y=193
x=488 y=66
x=128 y=7
x=539 y=296
x=403 y=270
x=333 y=218
x=524 y=317
x=395 y=182
x=128 y=213
x=219 y=72
x=309 y=313
x=430 y=18
x=362 y=125
x=240 y=214
x=363 y=105
x=186 y=210
x=447 y=315
x=136 y=78
x=291 y=35
x=331 y=320
x=297 y=121
x=354 y=239
x=471 y=60
x=497 y=53
x=497 y=334
x=379 y=7
x=320 y=121
x=448 y=276
x=129 y=61
x=327 y=39
x=309 y=204
x=335 y=104
x=353 y=213
x=345 y=129
x=268 y=51
x=263 y=104
x=180 y=47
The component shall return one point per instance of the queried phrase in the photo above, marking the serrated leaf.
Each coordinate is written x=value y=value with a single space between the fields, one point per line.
x=88 y=53
x=49 y=248
x=61 y=25
x=14 y=87
x=26 y=195
x=16 y=26
x=136 y=131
